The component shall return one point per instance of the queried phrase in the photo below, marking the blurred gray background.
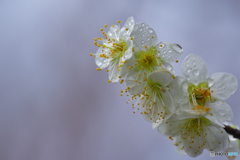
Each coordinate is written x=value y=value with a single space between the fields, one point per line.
x=54 y=105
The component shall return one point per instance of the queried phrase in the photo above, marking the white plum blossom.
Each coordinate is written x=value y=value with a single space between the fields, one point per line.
x=148 y=56
x=196 y=95
x=115 y=49
x=188 y=108
x=193 y=135
x=156 y=101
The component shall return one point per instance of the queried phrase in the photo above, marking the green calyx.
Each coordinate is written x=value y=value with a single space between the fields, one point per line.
x=147 y=59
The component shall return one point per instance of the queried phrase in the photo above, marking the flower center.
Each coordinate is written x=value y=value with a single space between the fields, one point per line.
x=118 y=50
x=199 y=96
x=147 y=59
x=195 y=126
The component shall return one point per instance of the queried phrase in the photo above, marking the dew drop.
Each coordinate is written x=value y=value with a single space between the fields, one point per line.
x=188 y=77
x=185 y=86
x=210 y=82
x=196 y=72
x=143 y=24
x=168 y=67
x=176 y=47
x=140 y=29
x=99 y=63
x=150 y=30
x=188 y=70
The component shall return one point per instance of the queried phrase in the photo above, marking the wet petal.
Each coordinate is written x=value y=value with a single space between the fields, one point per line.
x=163 y=107
x=127 y=29
x=143 y=36
x=128 y=53
x=179 y=145
x=113 y=73
x=133 y=80
x=170 y=127
x=169 y=52
x=194 y=69
x=221 y=111
x=114 y=32
x=158 y=122
x=216 y=137
x=102 y=62
x=192 y=146
x=162 y=77
x=223 y=85
x=176 y=88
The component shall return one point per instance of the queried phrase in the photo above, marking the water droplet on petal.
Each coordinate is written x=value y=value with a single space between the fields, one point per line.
x=99 y=63
x=185 y=86
x=150 y=30
x=140 y=29
x=196 y=72
x=143 y=24
x=189 y=70
x=210 y=82
x=188 y=77
x=176 y=47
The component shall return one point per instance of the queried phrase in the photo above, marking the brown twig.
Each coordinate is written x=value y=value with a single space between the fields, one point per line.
x=234 y=132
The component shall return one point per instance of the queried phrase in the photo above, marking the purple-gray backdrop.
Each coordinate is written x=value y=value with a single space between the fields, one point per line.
x=54 y=105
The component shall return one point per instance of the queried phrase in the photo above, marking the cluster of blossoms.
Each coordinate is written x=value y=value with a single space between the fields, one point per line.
x=190 y=109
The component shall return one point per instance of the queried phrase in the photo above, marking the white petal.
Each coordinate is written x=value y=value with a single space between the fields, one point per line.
x=223 y=85
x=142 y=36
x=171 y=126
x=158 y=108
x=168 y=67
x=158 y=122
x=193 y=149
x=185 y=114
x=179 y=146
x=128 y=53
x=221 y=111
x=125 y=68
x=129 y=24
x=113 y=72
x=234 y=145
x=194 y=69
x=135 y=87
x=162 y=77
x=169 y=52
x=113 y=32
x=176 y=88
x=102 y=62
x=217 y=138
x=214 y=120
